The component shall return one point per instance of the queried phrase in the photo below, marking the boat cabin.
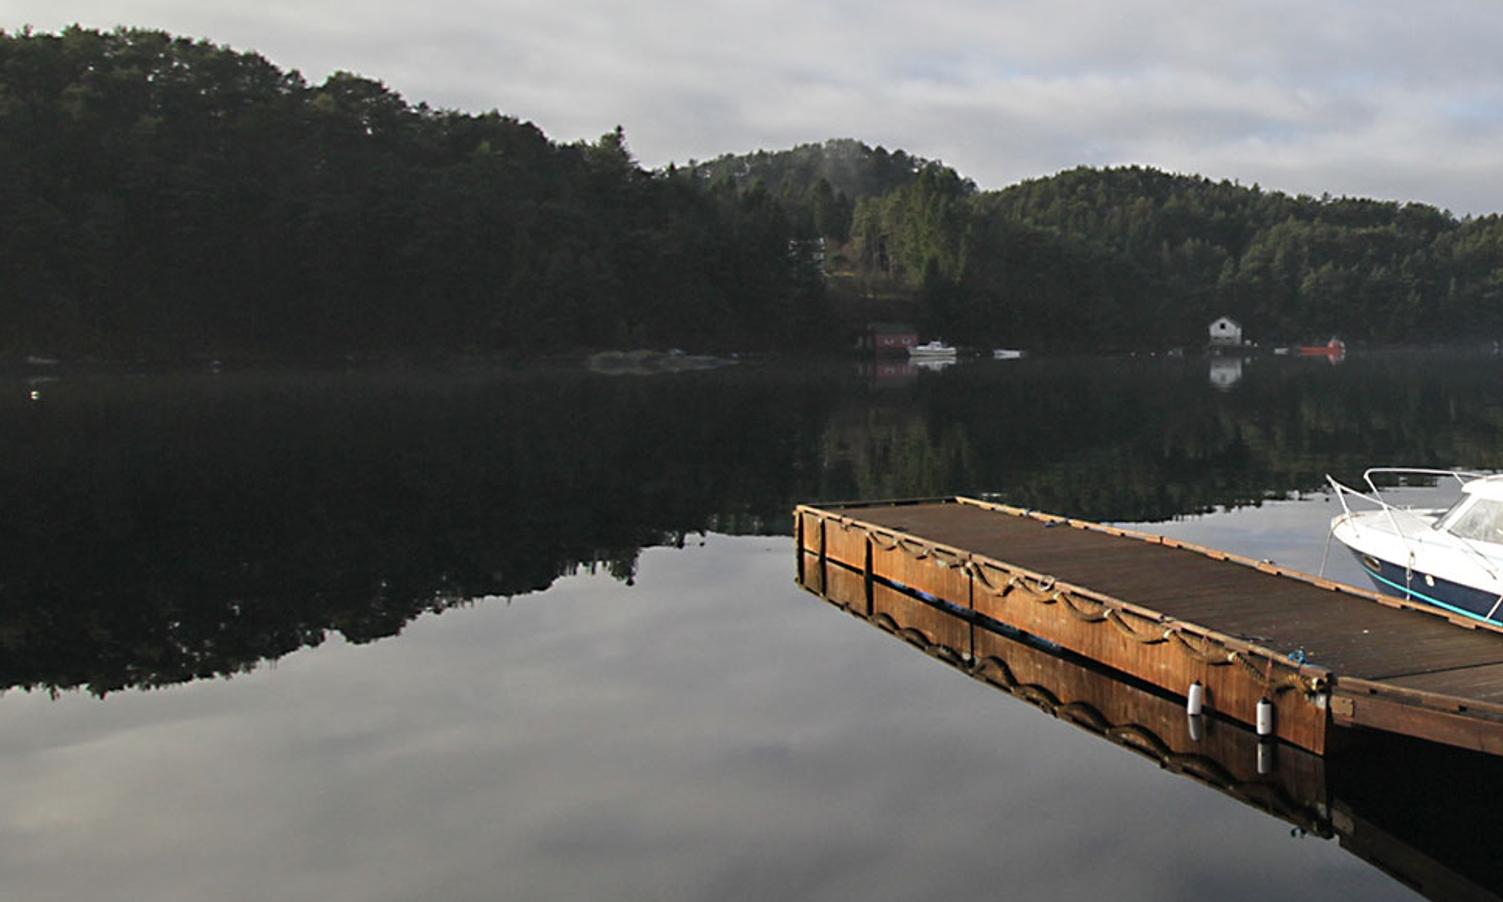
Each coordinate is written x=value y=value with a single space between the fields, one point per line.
x=1478 y=515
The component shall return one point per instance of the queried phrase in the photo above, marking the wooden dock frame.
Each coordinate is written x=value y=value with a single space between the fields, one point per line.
x=1348 y=797
x=1167 y=651
x=1288 y=783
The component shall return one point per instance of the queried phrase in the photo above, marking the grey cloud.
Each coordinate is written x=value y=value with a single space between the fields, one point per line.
x=1352 y=98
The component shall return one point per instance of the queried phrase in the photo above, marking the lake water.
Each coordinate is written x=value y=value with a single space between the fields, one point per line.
x=535 y=634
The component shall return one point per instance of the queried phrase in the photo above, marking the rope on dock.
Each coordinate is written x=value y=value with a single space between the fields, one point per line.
x=914 y=549
x=979 y=571
x=1219 y=658
x=1075 y=605
x=1263 y=669
x=891 y=541
x=947 y=558
x=887 y=541
x=1264 y=673
x=1116 y=618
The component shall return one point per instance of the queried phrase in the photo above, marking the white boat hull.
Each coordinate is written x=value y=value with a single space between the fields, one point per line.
x=1406 y=557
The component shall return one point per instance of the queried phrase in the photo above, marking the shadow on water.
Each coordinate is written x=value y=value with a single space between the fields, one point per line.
x=163 y=528
x=1420 y=812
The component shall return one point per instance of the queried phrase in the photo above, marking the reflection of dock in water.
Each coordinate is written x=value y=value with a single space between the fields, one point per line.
x=1421 y=812
x=1299 y=656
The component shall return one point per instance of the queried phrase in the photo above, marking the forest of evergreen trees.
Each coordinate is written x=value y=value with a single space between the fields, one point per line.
x=166 y=196
x=1132 y=257
x=170 y=197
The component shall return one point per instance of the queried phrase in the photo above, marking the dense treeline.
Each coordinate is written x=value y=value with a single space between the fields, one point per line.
x=1134 y=257
x=166 y=195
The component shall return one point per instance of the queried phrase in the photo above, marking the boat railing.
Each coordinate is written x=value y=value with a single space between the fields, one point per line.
x=1461 y=476
x=1395 y=513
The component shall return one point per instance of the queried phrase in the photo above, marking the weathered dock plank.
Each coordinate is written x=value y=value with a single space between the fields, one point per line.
x=1172 y=613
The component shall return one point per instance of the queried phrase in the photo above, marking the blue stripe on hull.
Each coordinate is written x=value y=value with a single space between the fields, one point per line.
x=1454 y=597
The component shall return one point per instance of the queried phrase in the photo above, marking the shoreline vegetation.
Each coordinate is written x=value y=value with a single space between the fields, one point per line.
x=171 y=199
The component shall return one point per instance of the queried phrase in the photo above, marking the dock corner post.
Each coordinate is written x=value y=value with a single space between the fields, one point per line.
x=824 y=558
x=798 y=544
x=970 y=584
x=866 y=577
x=1320 y=742
x=970 y=603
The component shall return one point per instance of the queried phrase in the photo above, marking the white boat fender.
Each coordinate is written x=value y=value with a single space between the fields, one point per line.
x=1196 y=699
x=1265 y=717
x=1197 y=725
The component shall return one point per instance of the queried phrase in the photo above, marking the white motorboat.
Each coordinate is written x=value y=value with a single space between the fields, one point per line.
x=934 y=350
x=1449 y=557
x=1006 y=354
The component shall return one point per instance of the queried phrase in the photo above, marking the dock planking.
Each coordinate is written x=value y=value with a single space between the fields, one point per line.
x=1172 y=613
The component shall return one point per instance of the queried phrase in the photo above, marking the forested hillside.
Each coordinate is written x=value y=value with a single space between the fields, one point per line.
x=818 y=184
x=172 y=197
x=1134 y=257
x=167 y=196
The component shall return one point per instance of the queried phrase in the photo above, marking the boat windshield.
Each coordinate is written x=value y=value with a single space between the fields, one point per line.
x=1482 y=522
x=1448 y=513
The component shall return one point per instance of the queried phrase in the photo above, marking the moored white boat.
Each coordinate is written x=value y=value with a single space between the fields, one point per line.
x=934 y=350
x=1451 y=558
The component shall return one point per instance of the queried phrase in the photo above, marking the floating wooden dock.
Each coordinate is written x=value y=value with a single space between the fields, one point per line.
x=1171 y=613
x=1431 y=830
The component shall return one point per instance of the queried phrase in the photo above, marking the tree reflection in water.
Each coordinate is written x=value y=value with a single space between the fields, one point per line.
x=172 y=527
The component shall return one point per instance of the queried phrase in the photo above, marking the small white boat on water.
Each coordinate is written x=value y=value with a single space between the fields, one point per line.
x=934 y=350
x=1006 y=354
x=1451 y=557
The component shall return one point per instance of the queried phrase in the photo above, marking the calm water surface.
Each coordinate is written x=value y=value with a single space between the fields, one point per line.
x=535 y=635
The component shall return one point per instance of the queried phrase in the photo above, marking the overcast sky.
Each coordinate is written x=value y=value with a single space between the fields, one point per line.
x=1385 y=99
